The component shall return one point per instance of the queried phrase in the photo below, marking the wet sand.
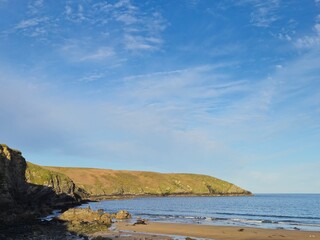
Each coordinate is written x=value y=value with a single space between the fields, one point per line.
x=213 y=232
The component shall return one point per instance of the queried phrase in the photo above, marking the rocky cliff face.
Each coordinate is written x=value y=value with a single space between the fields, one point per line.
x=29 y=190
x=63 y=189
x=12 y=177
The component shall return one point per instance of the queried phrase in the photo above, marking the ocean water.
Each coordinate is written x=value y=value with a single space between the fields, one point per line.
x=288 y=211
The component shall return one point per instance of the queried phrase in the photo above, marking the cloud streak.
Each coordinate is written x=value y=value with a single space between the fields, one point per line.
x=129 y=28
x=129 y=84
x=264 y=13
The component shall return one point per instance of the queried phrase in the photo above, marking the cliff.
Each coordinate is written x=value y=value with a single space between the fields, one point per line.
x=104 y=183
x=20 y=199
x=58 y=182
x=12 y=177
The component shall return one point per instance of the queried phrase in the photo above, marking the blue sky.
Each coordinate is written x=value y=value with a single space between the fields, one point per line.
x=228 y=88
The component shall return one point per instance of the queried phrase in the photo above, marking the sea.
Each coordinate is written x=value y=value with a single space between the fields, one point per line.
x=276 y=211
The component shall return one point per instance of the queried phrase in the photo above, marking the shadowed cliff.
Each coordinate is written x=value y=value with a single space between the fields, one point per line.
x=21 y=200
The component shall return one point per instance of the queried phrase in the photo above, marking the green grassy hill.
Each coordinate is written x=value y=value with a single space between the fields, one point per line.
x=59 y=182
x=104 y=182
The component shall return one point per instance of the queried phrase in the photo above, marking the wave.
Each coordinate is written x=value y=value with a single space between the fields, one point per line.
x=266 y=215
x=257 y=217
x=235 y=220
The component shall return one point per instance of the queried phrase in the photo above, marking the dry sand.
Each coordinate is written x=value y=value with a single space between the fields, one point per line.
x=209 y=232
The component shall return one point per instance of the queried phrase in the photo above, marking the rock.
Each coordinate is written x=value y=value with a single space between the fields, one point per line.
x=140 y=221
x=123 y=214
x=12 y=182
x=85 y=215
x=85 y=221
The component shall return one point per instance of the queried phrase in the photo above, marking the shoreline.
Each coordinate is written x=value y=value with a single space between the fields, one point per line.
x=132 y=196
x=214 y=232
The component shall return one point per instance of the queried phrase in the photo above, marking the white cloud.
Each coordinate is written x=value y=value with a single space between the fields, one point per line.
x=35 y=6
x=311 y=41
x=128 y=27
x=74 y=11
x=68 y=10
x=99 y=54
x=91 y=77
x=127 y=19
x=33 y=27
x=133 y=42
x=82 y=50
x=264 y=12
x=141 y=31
x=31 y=22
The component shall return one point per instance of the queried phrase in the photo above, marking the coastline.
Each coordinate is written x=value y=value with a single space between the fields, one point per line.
x=98 y=198
x=212 y=232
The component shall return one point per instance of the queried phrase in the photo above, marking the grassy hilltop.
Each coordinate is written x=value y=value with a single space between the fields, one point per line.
x=105 y=182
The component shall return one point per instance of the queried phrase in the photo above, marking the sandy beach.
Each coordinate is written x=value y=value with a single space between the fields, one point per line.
x=212 y=232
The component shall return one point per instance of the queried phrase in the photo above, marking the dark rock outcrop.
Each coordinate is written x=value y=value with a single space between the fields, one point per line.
x=54 y=188
x=21 y=200
x=12 y=179
x=12 y=182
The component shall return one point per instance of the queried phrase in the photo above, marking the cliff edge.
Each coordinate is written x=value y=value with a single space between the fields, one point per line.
x=21 y=200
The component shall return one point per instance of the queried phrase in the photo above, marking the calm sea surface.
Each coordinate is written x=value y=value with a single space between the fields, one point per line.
x=287 y=211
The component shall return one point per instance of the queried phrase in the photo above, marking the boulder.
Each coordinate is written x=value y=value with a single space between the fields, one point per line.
x=85 y=215
x=122 y=214
x=85 y=221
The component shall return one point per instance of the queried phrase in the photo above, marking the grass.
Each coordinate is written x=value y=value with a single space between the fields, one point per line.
x=38 y=175
x=110 y=182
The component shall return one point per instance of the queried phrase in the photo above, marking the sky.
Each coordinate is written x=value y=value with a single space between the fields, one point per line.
x=228 y=88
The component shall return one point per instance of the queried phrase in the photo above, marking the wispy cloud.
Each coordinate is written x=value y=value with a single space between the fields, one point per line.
x=74 y=11
x=264 y=13
x=84 y=50
x=37 y=27
x=134 y=42
x=31 y=23
x=35 y=6
x=141 y=30
x=94 y=76
x=129 y=28
x=312 y=40
x=136 y=29
x=99 y=54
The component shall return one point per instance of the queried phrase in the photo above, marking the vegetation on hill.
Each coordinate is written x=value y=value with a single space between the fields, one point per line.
x=103 y=182
x=60 y=183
